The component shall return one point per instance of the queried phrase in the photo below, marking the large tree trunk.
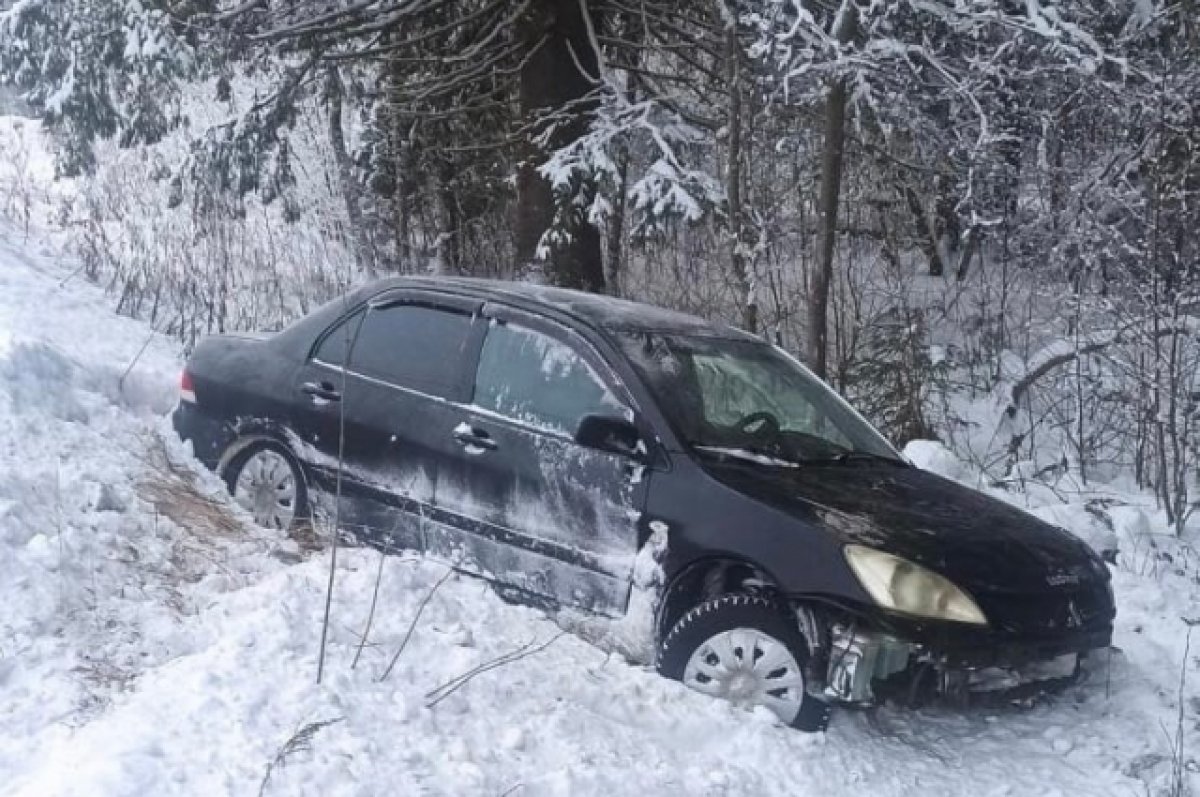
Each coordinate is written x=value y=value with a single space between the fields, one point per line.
x=555 y=76
x=827 y=204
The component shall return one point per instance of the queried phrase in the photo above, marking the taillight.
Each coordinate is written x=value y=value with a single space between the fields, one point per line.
x=186 y=391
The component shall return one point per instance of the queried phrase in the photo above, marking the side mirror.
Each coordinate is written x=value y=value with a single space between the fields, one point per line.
x=614 y=435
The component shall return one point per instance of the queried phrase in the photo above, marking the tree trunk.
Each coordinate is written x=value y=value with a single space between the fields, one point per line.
x=733 y=186
x=558 y=72
x=360 y=242
x=616 y=226
x=931 y=243
x=628 y=59
x=448 y=221
x=827 y=203
x=969 y=249
x=401 y=133
x=946 y=222
x=406 y=168
x=830 y=195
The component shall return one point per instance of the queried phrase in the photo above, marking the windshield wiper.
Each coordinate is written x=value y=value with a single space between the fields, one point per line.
x=848 y=457
x=755 y=455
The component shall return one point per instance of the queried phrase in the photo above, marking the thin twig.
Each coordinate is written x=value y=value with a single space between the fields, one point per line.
x=133 y=362
x=440 y=691
x=1108 y=675
x=437 y=695
x=337 y=501
x=1178 y=762
x=362 y=642
x=412 y=625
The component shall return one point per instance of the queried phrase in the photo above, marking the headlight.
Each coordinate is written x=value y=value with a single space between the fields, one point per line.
x=901 y=586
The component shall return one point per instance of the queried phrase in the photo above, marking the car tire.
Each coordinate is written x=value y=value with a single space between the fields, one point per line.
x=262 y=465
x=746 y=649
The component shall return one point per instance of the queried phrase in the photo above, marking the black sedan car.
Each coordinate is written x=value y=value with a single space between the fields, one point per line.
x=541 y=438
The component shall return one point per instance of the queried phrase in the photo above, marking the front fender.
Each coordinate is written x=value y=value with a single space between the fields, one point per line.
x=710 y=519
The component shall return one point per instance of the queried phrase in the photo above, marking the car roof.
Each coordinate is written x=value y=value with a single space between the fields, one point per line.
x=596 y=310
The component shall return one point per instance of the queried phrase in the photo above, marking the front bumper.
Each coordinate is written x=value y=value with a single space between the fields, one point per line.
x=866 y=663
x=957 y=646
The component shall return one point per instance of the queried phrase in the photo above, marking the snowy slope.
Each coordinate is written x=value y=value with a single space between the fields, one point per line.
x=140 y=656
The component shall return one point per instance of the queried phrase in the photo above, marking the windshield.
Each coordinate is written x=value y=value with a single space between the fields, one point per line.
x=746 y=397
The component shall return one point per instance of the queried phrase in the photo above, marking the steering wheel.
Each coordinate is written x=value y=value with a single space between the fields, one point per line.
x=761 y=424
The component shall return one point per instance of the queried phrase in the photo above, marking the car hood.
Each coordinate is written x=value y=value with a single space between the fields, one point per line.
x=980 y=543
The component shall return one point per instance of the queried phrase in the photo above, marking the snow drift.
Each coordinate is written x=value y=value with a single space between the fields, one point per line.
x=145 y=650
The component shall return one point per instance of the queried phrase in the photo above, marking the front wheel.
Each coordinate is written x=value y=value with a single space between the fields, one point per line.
x=747 y=650
x=267 y=482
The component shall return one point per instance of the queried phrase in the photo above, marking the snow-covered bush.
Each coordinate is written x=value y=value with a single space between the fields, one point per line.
x=193 y=261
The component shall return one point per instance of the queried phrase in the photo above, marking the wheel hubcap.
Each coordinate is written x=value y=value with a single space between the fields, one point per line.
x=266 y=488
x=748 y=668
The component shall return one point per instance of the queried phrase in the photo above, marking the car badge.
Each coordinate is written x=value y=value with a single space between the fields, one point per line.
x=1062 y=578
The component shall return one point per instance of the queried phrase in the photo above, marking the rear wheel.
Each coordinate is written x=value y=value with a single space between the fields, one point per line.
x=267 y=483
x=747 y=650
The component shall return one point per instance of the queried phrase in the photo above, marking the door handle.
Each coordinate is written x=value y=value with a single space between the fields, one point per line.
x=468 y=436
x=324 y=391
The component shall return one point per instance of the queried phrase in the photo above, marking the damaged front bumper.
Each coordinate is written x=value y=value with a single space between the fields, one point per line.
x=867 y=666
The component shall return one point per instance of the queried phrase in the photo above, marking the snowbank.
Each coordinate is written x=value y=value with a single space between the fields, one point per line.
x=144 y=655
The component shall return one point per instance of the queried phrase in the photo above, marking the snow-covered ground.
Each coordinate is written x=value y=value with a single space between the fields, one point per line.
x=152 y=642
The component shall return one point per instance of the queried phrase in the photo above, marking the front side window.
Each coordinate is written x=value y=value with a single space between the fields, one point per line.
x=411 y=346
x=724 y=393
x=537 y=380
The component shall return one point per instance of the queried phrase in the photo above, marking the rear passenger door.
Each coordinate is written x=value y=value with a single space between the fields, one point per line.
x=378 y=389
x=540 y=512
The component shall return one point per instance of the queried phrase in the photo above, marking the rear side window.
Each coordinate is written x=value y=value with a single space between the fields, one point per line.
x=535 y=379
x=333 y=347
x=407 y=345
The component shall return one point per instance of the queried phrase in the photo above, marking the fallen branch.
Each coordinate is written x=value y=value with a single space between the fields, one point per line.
x=362 y=641
x=412 y=625
x=1022 y=385
x=132 y=363
x=440 y=693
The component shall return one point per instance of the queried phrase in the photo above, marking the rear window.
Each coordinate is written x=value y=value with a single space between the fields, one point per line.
x=333 y=346
x=406 y=345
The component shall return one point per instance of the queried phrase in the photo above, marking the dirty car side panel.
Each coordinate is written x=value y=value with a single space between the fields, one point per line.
x=241 y=386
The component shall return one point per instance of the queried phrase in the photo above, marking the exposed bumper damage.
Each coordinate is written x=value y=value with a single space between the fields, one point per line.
x=867 y=666
x=856 y=659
